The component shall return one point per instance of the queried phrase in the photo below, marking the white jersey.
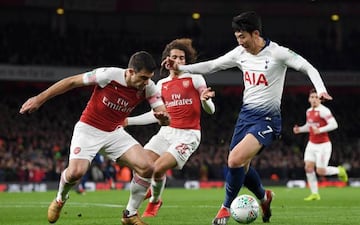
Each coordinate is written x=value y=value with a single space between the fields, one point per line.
x=263 y=74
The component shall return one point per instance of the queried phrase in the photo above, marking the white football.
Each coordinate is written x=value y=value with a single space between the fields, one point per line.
x=244 y=209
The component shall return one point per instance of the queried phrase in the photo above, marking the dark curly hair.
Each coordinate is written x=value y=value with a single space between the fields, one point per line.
x=183 y=44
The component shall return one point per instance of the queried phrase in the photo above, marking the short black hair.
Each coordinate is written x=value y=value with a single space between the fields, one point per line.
x=247 y=21
x=142 y=61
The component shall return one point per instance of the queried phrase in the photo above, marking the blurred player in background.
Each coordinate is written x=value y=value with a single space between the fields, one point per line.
x=264 y=64
x=319 y=121
x=184 y=95
x=116 y=93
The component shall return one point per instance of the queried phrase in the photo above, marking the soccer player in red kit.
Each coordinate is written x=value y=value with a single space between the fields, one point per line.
x=184 y=95
x=319 y=121
x=116 y=93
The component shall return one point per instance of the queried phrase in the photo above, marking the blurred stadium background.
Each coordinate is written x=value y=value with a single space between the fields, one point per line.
x=43 y=41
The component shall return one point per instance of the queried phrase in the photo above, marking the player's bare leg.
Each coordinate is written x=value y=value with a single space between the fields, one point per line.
x=68 y=180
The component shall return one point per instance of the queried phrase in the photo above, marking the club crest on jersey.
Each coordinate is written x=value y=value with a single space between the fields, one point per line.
x=77 y=150
x=186 y=83
x=253 y=78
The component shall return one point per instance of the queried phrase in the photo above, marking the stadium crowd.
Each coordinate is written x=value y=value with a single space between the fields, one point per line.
x=34 y=148
x=92 y=48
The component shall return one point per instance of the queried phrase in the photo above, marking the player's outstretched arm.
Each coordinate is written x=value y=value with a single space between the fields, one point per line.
x=60 y=87
x=324 y=96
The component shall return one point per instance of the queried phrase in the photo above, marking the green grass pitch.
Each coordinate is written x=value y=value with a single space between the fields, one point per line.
x=181 y=207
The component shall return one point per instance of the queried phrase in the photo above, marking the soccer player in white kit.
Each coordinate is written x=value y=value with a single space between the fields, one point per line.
x=263 y=64
x=184 y=95
x=319 y=121
x=116 y=93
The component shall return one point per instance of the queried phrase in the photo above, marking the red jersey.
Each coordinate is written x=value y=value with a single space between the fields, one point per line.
x=317 y=117
x=112 y=101
x=181 y=96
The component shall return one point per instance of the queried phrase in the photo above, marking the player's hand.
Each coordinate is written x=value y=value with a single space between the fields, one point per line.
x=324 y=96
x=296 y=129
x=206 y=94
x=170 y=64
x=30 y=106
x=163 y=117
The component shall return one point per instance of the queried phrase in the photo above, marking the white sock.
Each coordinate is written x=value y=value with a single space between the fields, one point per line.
x=331 y=170
x=64 y=187
x=138 y=188
x=313 y=184
x=157 y=187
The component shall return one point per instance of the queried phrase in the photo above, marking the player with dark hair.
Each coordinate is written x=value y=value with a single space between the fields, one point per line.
x=184 y=95
x=116 y=93
x=263 y=64
x=319 y=121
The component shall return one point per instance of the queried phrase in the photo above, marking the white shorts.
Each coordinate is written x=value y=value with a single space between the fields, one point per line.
x=88 y=140
x=181 y=143
x=318 y=153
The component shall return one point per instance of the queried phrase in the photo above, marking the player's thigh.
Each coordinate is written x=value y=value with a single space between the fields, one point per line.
x=77 y=168
x=324 y=154
x=136 y=159
x=310 y=153
x=118 y=143
x=163 y=163
x=244 y=151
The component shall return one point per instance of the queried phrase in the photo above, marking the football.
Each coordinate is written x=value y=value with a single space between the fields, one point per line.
x=244 y=209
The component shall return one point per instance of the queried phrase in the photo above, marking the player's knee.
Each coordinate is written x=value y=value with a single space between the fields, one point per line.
x=321 y=171
x=74 y=174
x=236 y=162
x=146 y=171
x=309 y=169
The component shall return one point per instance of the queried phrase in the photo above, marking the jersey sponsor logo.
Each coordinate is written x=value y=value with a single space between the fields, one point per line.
x=120 y=105
x=177 y=100
x=253 y=78
x=264 y=132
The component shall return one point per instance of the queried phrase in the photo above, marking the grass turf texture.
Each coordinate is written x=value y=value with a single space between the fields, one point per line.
x=181 y=207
